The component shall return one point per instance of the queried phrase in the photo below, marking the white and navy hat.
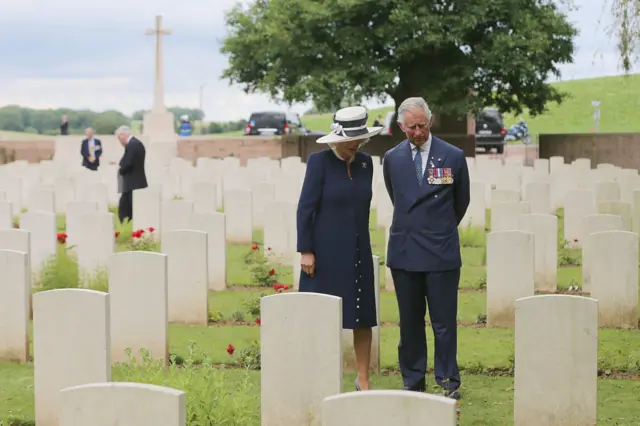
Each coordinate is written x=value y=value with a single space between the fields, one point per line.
x=350 y=124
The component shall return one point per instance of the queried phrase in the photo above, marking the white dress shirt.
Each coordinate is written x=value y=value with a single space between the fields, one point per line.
x=424 y=153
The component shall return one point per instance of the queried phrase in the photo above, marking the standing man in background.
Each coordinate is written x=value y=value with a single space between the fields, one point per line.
x=131 y=175
x=91 y=150
x=64 y=126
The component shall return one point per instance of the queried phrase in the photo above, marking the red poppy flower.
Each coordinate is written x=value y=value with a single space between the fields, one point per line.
x=151 y=229
x=62 y=237
x=277 y=287
x=117 y=234
x=254 y=247
x=272 y=272
x=285 y=287
x=136 y=234
x=230 y=349
x=258 y=321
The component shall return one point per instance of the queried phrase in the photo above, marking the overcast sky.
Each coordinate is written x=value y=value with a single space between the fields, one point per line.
x=94 y=54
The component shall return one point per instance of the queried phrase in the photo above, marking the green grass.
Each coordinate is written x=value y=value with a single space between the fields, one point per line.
x=485 y=355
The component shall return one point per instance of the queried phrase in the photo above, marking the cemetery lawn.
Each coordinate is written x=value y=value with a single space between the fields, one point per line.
x=485 y=355
x=487 y=401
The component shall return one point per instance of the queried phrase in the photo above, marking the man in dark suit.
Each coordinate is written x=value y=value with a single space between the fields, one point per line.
x=64 y=125
x=131 y=175
x=91 y=150
x=428 y=182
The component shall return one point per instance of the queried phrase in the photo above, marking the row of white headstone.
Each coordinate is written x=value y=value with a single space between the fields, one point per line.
x=568 y=333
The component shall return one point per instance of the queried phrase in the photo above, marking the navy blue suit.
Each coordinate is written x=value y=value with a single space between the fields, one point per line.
x=333 y=223
x=424 y=256
x=84 y=151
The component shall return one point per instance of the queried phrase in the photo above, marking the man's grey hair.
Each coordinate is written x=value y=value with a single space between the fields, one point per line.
x=88 y=129
x=123 y=130
x=410 y=104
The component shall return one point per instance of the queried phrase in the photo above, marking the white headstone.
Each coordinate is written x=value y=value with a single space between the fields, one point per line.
x=510 y=274
x=388 y=408
x=15 y=295
x=556 y=341
x=188 y=283
x=125 y=404
x=614 y=277
x=214 y=225
x=284 y=334
x=139 y=317
x=545 y=229
x=77 y=356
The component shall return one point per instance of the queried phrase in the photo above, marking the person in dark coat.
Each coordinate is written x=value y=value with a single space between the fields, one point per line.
x=333 y=228
x=428 y=182
x=131 y=174
x=91 y=151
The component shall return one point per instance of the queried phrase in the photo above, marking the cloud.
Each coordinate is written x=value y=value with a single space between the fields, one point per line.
x=95 y=55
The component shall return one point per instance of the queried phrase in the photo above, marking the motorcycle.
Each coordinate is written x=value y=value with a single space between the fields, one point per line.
x=519 y=131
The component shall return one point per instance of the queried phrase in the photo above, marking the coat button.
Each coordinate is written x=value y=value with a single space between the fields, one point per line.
x=358 y=299
x=357 y=320
x=357 y=306
x=359 y=290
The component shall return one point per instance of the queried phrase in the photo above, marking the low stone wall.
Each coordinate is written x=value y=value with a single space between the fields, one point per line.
x=32 y=151
x=191 y=148
x=218 y=147
x=378 y=145
x=620 y=149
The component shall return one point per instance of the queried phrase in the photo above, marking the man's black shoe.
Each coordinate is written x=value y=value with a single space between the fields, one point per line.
x=453 y=394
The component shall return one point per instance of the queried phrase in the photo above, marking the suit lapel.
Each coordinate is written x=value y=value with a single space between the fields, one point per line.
x=408 y=169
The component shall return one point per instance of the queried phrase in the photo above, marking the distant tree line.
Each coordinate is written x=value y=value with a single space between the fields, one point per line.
x=47 y=122
x=15 y=118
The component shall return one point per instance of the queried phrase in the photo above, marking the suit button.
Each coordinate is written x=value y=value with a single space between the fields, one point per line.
x=358 y=299
x=359 y=290
x=357 y=306
x=435 y=196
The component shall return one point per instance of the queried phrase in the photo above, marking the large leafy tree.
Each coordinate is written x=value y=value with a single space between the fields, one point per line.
x=332 y=51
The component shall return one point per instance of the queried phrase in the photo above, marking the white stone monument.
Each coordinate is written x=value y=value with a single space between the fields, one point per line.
x=159 y=124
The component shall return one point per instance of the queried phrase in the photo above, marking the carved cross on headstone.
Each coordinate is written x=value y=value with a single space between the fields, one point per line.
x=158 y=92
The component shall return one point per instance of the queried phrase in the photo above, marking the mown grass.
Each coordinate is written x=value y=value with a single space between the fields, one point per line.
x=485 y=355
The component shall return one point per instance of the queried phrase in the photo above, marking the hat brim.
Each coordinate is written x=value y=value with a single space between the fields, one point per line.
x=335 y=138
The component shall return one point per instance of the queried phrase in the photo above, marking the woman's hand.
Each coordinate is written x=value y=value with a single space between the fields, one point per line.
x=308 y=263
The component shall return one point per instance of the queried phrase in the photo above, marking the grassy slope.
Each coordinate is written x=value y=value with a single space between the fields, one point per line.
x=620 y=97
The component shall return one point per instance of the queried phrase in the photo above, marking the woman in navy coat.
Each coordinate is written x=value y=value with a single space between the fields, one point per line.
x=333 y=228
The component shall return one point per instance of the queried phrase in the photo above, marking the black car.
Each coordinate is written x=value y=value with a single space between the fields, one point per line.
x=490 y=130
x=275 y=123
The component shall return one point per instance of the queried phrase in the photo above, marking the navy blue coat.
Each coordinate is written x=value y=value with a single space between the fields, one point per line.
x=333 y=223
x=84 y=152
x=424 y=232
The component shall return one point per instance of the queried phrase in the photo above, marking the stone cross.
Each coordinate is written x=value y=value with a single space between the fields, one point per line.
x=158 y=92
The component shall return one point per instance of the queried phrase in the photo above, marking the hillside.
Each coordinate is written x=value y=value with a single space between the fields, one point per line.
x=620 y=110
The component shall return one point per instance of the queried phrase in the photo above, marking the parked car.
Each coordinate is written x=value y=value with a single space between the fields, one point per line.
x=276 y=123
x=490 y=130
